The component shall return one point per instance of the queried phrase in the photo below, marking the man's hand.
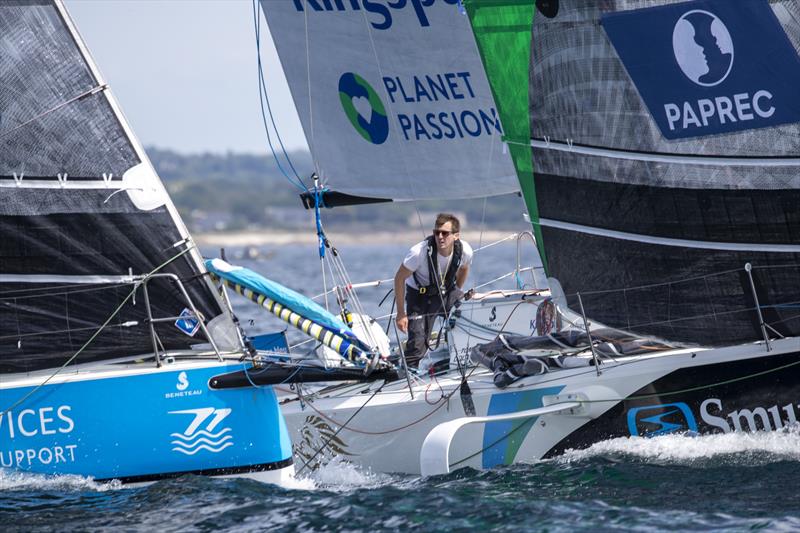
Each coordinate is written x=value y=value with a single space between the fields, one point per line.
x=402 y=323
x=400 y=297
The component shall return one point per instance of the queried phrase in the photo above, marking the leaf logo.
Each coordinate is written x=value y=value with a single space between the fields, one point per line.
x=364 y=108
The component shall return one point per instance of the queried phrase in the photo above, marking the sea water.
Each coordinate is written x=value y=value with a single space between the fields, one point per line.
x=730 y=482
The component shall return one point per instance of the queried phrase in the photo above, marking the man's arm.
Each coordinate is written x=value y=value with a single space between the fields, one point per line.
x=461 y=276
x=400 y=297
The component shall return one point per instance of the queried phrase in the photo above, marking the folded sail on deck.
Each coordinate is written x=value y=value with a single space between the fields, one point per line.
x=291 y=307
x=666 y=154
x=392 y=97
x=82 y=209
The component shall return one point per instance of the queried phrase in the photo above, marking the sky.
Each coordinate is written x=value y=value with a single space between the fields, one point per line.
x=185 y=72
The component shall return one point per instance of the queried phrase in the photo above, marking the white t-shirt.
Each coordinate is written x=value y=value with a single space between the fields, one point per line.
x=416 y=261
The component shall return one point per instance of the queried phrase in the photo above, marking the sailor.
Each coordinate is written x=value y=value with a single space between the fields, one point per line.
x=429 y=282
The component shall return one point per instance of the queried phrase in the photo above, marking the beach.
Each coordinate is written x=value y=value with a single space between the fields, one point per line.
x=338 y=237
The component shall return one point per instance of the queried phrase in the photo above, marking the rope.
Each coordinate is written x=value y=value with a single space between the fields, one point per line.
x=325 y=444
x=49 y=291
x=91 y=91
x=91 y=339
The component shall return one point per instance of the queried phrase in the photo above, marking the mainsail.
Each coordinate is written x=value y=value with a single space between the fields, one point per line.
x=83 y=211
x=392 y=97
x=665 y=146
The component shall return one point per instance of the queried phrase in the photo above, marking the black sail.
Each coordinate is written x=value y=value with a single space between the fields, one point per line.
x=82 y=210
x=651 y=200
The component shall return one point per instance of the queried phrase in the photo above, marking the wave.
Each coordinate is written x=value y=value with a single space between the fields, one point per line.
x=769 y=447
x=12 y=480
x=203 y=447
x=339 y=475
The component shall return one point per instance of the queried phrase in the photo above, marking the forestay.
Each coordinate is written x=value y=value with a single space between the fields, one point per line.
x=392 y=97
x=83 y=210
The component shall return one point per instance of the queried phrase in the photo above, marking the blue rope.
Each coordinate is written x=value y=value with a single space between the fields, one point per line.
x=318 y=216
x=262 y=97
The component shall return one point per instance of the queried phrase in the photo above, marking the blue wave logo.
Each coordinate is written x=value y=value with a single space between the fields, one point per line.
x=654 y=420
x=198 y=437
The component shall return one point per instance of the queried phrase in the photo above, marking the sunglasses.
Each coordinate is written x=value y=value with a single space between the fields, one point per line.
x=443 y=233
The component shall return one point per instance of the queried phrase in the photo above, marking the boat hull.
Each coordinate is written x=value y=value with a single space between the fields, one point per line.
x=140 y=424
x=740 y=388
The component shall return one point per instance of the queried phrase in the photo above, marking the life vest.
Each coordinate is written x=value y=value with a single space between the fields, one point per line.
x=433 y=269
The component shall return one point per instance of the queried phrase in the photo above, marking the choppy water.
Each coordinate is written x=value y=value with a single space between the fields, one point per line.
x=727 y=482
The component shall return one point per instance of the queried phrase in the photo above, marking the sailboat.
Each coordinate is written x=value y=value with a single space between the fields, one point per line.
x=110 y=329
x=659 y=181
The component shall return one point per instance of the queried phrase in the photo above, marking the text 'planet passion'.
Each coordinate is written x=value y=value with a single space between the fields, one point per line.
x=423 y=90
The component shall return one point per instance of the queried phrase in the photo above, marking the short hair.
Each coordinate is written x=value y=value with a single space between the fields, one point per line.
x=444 y=218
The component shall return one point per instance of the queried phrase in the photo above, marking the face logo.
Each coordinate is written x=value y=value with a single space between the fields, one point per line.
x=703 y=48
x=183 y=381
x=201 y=433
x=654 y=420
x=363 y=108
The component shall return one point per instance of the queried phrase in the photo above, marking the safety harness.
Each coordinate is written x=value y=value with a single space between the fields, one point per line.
x=433 y=288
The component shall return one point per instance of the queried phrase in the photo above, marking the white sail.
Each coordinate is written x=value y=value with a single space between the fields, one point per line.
x=393 y=100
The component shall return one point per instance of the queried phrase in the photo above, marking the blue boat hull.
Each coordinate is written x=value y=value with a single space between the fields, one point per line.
x=143 y=424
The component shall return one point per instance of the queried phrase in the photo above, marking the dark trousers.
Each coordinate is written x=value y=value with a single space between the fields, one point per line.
x=422 y=310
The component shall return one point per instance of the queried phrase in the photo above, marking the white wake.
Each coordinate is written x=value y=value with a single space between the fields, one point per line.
x=768 y=446
x=15 y=480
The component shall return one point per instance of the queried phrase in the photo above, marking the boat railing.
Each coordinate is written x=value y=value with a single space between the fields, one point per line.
x=756 y=301
x=152 y=321
x=518 y=270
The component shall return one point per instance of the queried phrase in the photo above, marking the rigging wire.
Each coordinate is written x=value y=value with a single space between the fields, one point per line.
x=94 y=336
x=263 y=98
x=325 y=444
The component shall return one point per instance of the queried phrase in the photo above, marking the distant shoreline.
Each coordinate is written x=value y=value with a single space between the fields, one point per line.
x=403 y=236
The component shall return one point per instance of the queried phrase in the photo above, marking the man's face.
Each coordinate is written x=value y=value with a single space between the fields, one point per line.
x=444 y=237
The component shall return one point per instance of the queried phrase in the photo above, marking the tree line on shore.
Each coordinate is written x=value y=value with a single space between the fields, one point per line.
x=244 y=191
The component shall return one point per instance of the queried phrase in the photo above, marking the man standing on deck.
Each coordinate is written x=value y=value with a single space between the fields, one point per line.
x=429 y=282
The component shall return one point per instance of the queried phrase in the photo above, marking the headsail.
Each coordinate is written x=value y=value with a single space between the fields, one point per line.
x=392 y=97
x=666 y=151
x=83 y=210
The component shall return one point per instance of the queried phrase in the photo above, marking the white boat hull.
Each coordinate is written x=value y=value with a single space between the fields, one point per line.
x=740 y=388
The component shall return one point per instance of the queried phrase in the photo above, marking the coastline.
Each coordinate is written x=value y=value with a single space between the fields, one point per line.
x=354 y=236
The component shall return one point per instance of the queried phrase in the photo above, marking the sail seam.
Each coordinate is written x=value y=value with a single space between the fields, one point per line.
x=665 y=241
x=50 y=278
x=653 y=157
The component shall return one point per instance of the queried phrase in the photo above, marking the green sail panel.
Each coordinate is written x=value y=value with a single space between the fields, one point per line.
x=502 y=30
